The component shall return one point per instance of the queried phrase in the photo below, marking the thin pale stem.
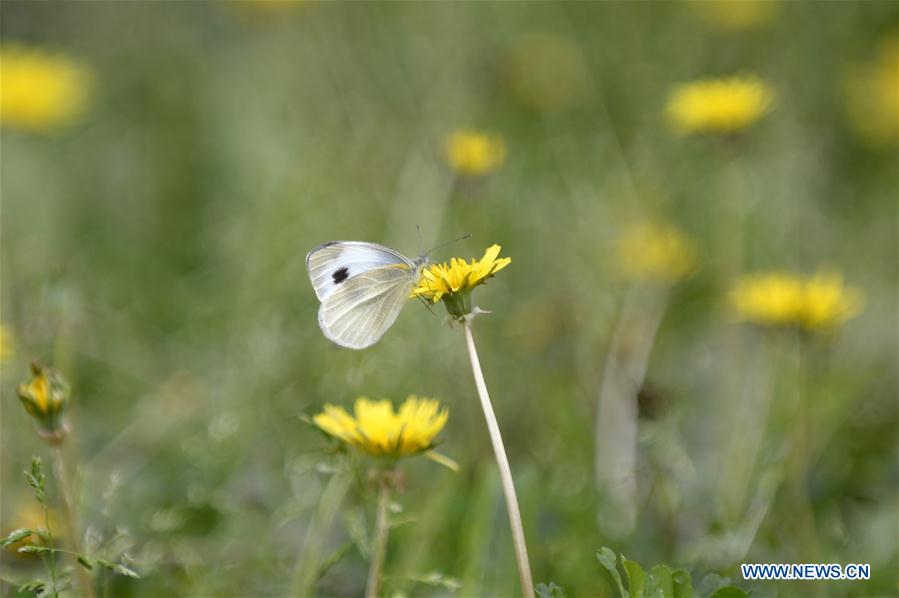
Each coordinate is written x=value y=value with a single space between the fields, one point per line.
x=505 y=472
x=379 y=549
x=68 y=512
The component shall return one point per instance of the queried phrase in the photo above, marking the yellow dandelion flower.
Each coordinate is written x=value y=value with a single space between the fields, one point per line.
x=773 y=298
x=454 y=282
x=475 y=153
x=826 y=302
x=655 y=251
x=719 y=105
x=735 y=15
x=783 y=299
x=45 y=398
x=379 y=431
x=40 y=91
x=873 y=95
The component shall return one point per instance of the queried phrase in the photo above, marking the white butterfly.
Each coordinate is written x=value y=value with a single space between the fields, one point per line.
x=362 y=288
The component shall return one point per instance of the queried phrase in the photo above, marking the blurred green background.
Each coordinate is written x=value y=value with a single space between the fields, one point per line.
x=153 y=251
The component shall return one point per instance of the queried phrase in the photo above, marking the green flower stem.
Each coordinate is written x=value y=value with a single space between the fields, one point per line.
x=505 y=472
x=379 y=549
x=68 y=513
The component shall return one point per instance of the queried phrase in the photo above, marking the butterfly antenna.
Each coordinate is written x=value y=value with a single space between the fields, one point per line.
x=421 y=247
x=462 y=238
x=427 y=304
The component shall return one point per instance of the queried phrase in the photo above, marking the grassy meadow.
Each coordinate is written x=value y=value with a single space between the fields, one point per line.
x=692 y=355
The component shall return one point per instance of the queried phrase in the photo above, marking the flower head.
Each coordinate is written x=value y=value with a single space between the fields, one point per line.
x=655 y=251
x=475 y=153
x=873 y=95
x=40 y=91
x=783 y=299
x=719 y=105
x=45 y=398
x=453 y=282
x=827 y=302
x=381 y=432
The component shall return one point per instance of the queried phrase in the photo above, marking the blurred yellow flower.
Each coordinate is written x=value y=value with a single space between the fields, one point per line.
x=45 y=398
x=475 y=153
x=719 y=105
x=735 y=15
x=381 y=432
x=783 y=299
x=827 y=302
x=873 y=95
x=40 y=91
x=773 y=298
x=30 y=516
x=453 y=282
x=654 y=251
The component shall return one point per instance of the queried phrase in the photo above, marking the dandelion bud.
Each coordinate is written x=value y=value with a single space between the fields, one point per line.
x=45 y=398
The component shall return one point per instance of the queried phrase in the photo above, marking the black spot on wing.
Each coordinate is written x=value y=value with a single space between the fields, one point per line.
x=340 y=275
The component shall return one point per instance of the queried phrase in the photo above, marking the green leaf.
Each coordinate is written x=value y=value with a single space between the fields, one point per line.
x=660 y=581
x=355 y=525
x=636 y=578
x=608 y=560
x=710 y=582
x=549 y=591
x=683 y=583
x=15 y=536
x=332 y=560
x=34 y=549
x=729 y=592
x=85 y=562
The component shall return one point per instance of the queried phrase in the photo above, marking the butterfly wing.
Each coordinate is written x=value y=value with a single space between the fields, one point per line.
x=333 y=264
x=358 y=312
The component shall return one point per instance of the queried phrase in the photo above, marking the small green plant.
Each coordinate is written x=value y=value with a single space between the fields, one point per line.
x=550 y=590
x=661 y=582
x=59 y=579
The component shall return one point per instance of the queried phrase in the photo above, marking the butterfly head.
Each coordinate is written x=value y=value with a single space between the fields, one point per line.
x=421 y=262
